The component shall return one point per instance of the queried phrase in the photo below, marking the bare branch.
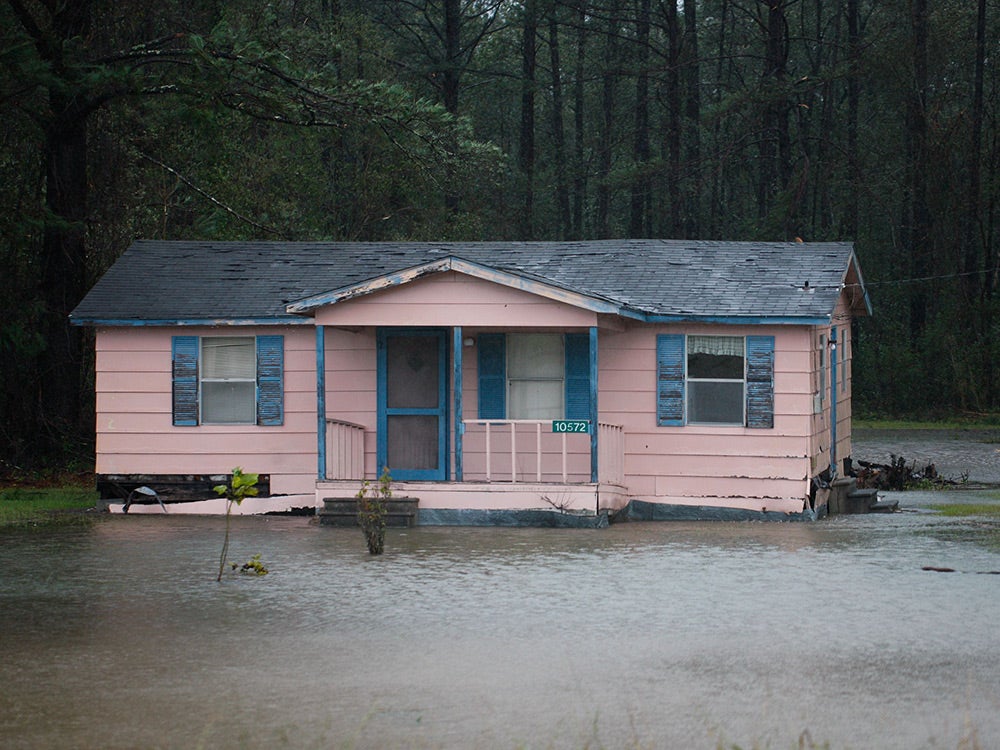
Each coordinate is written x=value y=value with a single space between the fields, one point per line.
x=213 y=199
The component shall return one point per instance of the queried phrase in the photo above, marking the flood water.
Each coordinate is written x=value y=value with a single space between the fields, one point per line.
x=670 y=635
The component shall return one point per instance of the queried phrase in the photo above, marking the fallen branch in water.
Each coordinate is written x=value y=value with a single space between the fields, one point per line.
x=896 y=475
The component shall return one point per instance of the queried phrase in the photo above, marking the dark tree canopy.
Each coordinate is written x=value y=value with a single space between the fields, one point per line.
x=492 y=119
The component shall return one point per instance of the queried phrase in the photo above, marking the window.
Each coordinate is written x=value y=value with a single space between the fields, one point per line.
x=723 y=380
x=715 y=378
x=534 y=376
x=228 y=380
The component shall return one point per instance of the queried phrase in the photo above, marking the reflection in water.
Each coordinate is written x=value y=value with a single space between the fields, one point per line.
x=641 y=635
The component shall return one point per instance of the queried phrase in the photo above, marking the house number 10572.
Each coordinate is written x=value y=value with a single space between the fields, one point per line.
x=570 y=425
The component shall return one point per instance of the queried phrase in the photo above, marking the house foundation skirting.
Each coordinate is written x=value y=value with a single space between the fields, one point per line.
x=552 y=519
x=642 y=510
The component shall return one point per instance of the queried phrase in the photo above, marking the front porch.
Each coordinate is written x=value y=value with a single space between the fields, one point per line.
x=508 y=465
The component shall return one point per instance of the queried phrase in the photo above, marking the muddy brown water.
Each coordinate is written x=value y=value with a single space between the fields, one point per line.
x=643 y=635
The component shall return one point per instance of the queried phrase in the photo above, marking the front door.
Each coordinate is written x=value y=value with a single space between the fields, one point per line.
x=412 y=403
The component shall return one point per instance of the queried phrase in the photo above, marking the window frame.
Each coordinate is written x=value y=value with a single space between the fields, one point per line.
x=251 y=342
x=187 y=364
x=688 y=380
x=579 y=395
x=671 y=383
x=522 y=378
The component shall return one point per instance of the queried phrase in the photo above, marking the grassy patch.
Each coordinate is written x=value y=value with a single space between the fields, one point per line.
x=45 y=506
x=954 y=422
x=968 y=509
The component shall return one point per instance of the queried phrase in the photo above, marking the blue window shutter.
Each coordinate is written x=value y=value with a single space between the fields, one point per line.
x=670 y=379
x=577 y=348
x=270 y=380
x=760 y=381
x=492 y=376
x=184 y=370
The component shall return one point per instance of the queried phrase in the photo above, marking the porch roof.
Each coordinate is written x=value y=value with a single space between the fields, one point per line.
x=181 y=282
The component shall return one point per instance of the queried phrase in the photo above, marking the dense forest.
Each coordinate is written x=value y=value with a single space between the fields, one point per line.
x=866 y=120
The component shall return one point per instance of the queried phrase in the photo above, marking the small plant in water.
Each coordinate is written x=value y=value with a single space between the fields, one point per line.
x=252 y=567
x=241 y=486
x=372 y=510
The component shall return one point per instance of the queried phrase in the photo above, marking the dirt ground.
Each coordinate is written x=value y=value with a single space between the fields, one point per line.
x=973 y=455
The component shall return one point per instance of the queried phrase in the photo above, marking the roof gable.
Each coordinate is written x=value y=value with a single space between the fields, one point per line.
x=458 y=265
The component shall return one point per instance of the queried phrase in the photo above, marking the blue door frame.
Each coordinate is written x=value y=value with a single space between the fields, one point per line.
x=440 y=410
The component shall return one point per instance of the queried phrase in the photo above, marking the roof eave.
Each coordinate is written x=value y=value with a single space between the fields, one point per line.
x=176 y=322
x=746 y=320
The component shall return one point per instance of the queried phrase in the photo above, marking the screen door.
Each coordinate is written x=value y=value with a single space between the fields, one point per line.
x=413 y=404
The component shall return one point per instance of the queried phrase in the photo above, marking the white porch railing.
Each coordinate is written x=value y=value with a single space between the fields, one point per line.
x=610 y=453
x=526 y=450
x=345 y=450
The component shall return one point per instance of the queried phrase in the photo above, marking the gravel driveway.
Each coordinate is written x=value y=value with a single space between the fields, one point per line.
x=974 y=454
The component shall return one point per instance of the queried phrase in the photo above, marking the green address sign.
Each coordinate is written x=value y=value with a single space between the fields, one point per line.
x=570 y=425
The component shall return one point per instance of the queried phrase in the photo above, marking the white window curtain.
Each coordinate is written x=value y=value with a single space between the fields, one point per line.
x=535 y=372
x=726 y=346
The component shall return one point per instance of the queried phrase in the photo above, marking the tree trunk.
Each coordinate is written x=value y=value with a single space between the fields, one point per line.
x=63 y=278
x=452 y=53
x=64 y=273
x=558 y=132
x=774 y=137
x=852 y=218
x=917 y=221
x=639 y=216
x=672 y=147
x=971 y=229
x=692 y=123
x=579 y=109
x=526 y=153
x=610 y=82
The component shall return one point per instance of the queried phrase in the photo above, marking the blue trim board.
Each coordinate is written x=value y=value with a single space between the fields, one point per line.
x=735 y=320
x=833 y=402
x=172 y=322
x=593 y=405
x=321 y=401
x=457 y=389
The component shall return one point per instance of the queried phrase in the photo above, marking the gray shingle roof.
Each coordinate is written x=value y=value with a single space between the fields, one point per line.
x=225 y=281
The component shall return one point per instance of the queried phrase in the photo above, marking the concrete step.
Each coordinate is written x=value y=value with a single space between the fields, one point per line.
x=401 y=512
x=867 y=501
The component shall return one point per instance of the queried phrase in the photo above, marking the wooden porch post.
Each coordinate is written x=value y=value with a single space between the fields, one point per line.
x=593 y=404
x=321 y=402
x=459 y=427
x=833 y=403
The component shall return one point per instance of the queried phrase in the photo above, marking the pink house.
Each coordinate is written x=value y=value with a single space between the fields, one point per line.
x=541 y=382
